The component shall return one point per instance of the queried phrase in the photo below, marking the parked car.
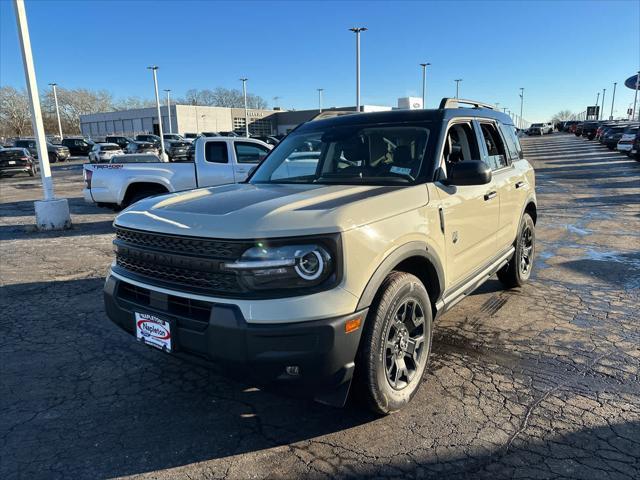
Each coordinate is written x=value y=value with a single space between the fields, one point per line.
x=548 y=128
x=17 y=160
x=135 y=158
x=589 y=129
x=120 y=140
x=102 y=152
x=173 y=136
x=218 y=160
x=612 y=136
x=78 y=146
x=578 y=130
x=143 y=147
x=190 y=136
x=155 y=139
x=177 y=150
x=321 y=276
x=57 y=153
x=635 y=147
x=536 y=129
x=228 y=134
x=625 y=143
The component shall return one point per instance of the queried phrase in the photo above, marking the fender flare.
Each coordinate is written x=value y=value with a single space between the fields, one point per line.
x=408 y=250
x=154 y=180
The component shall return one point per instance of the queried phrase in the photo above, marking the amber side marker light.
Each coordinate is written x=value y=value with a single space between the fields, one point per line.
x=352 y=324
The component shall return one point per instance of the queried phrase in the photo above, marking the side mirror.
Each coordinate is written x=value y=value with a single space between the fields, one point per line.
x=469 y=172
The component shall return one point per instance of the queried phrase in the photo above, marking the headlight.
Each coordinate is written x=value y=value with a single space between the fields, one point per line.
x=286 y=266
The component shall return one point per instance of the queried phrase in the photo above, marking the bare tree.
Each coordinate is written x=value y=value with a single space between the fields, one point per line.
x=223 y=97
x=14 y=112
x=129 y=103
x=562 y=115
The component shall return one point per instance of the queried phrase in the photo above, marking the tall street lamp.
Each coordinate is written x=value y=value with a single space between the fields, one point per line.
x=613 y=100
x=320 y=90
x=457 y=80
x=55 y=99
x=597 y=103
x=357 y=31
x=521 y=124
x=169 y=109
x=275 y=101
x=604 y=91
x=424 y=84
x=246 y=111
x=635 y=96
x=154 y=69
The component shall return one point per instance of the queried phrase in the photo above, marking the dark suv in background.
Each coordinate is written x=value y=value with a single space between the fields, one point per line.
x=122 y=141
x=78 y=147
x=56 y=152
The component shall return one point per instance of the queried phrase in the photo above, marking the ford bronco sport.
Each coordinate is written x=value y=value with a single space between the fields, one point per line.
x=329 y=265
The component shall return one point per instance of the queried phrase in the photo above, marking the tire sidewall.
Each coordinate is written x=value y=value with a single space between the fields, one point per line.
x=396 y=399
x=525 y=221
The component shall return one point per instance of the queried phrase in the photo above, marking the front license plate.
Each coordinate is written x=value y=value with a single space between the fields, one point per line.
x=153 y=331
x=12 y=162
x=634 y=151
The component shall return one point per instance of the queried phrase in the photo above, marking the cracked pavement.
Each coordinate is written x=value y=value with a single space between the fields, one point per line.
x=538 y=382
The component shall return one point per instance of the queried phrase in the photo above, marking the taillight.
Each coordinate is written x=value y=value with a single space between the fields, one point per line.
x=87 y=177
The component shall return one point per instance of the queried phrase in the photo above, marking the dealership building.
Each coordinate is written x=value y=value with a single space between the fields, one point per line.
x=196 y=119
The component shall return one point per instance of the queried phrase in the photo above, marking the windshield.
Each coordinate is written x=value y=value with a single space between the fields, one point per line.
x=109 y=147
x=352 y=154
x=536 y=124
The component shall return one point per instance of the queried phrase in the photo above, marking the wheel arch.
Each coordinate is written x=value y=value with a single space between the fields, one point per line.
x=415 y=258
x=134 y=187
x=532 y=210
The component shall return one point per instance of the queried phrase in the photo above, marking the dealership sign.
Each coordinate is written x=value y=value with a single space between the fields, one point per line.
x=632 y=82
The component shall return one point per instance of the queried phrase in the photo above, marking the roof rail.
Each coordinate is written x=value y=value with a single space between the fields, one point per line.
x=454 y=103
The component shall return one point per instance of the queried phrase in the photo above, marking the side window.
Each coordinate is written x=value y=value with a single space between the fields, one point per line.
x=461 y=144
x=250 y=152
x=216 y=152
x=497 y=155
x=513 y=144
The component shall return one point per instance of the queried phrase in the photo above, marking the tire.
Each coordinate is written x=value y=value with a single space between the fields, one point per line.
x=53 y=158
x=398 y=325
x=517 y=272
x=32 y=172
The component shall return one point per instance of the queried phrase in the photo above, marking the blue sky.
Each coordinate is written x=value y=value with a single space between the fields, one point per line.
x=561 y=52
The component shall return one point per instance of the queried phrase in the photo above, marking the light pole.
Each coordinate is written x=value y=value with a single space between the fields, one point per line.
x=275 y=101
x=521 y=124
x=169 y=109
x=246 y=112
x=457 y=80
x=635 y=97
x=597 y=100
x=357 y=31
x=424 y=84
x=52 y=213
x=613 y=99
x=55 y=99
x=320 y=90
x=154 y=69
x=604 y=91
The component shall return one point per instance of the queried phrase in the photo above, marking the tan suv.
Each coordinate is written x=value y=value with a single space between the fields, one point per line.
x=330 y=264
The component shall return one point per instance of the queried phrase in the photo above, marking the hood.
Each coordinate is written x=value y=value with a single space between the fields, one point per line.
x=247 y=211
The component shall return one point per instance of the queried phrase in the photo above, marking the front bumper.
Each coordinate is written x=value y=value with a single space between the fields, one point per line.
x=322 y=351
x=624 y=147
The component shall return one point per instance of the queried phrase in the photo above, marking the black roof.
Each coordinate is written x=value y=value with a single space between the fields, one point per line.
x=407 y=116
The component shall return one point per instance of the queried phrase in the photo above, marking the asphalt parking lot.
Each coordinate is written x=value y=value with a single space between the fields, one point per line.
x=538 y=382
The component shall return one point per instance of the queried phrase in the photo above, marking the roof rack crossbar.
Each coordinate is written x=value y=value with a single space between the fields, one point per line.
x=454 y=103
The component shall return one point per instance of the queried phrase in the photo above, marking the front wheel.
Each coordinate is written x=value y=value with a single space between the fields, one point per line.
x=396 y=344
x=53 y=158
x=518 y=270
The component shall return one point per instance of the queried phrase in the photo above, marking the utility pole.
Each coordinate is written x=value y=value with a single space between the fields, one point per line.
x=55 y=99
x=51 y=213
x=604 y=91
x=613 y=100
x=320 y=90
x=357 y=31
x=424 y=84
x=521 y=124
x=169 y=110
x=246 y=111
x=275 y=102
x=154 y=69
x=458 y=80
x=597 y=100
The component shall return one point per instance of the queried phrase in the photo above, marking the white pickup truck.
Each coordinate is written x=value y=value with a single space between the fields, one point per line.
x=218 y=161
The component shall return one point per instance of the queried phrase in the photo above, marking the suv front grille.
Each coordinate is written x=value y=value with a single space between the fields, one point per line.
x=188 y=263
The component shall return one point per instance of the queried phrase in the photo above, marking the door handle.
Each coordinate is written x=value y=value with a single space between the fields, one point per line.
x=520 y=184
x=490 y=195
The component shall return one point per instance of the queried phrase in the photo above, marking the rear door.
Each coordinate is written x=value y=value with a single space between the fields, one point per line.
x=470 y=213
x=247 y=155
x=214 y=165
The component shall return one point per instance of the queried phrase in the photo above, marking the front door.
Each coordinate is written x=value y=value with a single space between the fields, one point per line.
x=470 y=213
x=247 y=155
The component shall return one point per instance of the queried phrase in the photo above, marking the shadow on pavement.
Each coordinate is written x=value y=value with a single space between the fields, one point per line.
x=29 y=232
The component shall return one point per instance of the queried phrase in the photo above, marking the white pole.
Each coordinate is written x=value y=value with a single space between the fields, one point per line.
x=320 y=90
x=635 y=97
x=52 y=213
x=424 y=84
x=34 y=99
x=154 y=69
x=613 y=99
x=604 y=91
x=458 y=87
x=521 y=107
x=169 y=110
x=55 y=99
x=357 y=31
x=246 y=110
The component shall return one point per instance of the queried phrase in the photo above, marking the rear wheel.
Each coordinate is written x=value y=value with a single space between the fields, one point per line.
x=518 y=270
x=396 y=344
x=53 y=158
